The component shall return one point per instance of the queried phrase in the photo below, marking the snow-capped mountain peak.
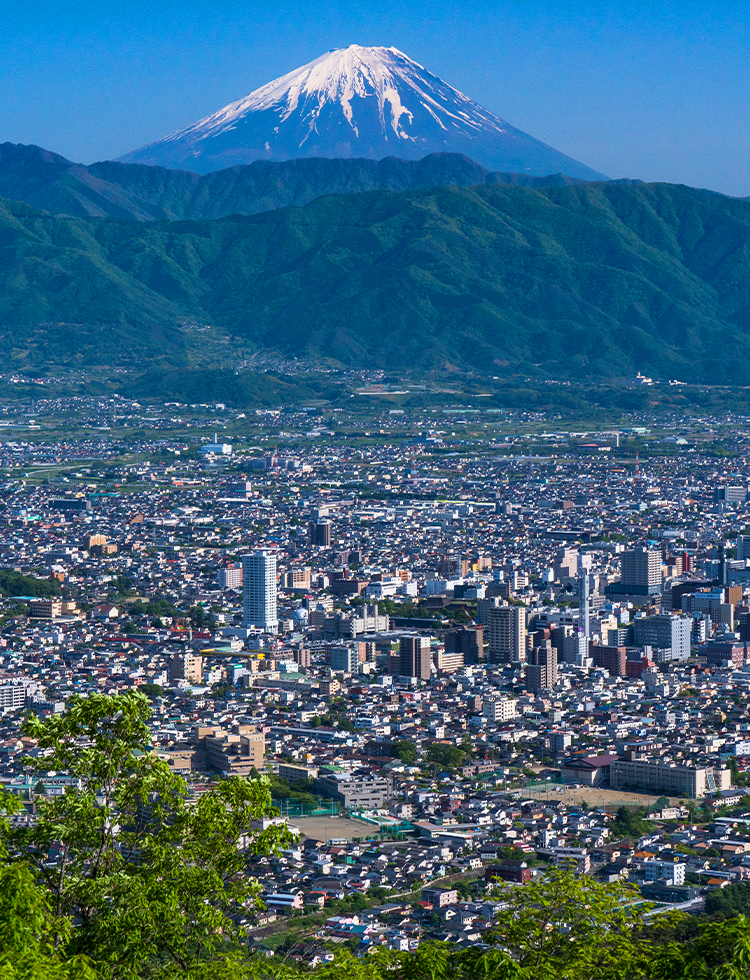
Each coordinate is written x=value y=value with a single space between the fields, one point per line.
x=355 y=101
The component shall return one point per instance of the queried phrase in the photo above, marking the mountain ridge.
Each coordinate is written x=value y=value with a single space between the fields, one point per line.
x=586 y=279
x=355 y=102
x=134 y=191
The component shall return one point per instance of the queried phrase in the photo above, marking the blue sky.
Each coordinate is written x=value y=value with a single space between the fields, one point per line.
x=657 y=91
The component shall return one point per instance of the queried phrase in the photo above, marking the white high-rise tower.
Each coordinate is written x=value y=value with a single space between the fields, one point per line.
x=584 y=569
x=259 y=591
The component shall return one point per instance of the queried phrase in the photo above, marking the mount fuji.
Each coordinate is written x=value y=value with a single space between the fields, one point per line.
x=356 y=102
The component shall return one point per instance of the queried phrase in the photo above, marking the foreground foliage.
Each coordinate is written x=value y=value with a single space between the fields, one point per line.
x=123 y=877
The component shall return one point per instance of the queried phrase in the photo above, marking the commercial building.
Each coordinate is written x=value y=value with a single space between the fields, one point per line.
x=507 y=634
x=259 y=592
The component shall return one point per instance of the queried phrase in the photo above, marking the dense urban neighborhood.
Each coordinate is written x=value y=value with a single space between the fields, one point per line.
x=462 y=646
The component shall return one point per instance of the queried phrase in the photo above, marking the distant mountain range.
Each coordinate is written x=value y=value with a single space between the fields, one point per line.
x=554 y=281
x=141 y=193
x=356 y=102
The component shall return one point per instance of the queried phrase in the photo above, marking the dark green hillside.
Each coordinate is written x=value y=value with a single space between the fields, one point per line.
x=118 y=190
x=603 y=278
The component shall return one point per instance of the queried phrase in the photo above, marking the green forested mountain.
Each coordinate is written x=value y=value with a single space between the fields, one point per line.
x=604 y=278
x=118 y=190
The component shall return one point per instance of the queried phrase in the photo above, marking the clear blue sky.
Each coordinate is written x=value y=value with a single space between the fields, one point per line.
x=655 y=90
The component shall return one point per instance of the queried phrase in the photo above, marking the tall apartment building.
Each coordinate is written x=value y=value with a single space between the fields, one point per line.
x=448 y=662
x=259 y=591
x=641 y=572
x=230 y=577
x=743 y=546
x=297 y=578
x=507 y=634
x=12 y=697
x=466 y=640
x=414 y=657
x=541 y=669
x=670 y=633
x=611 y=658
x=186 y=667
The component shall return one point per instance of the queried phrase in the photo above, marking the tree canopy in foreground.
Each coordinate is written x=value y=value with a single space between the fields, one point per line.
x=125 y=877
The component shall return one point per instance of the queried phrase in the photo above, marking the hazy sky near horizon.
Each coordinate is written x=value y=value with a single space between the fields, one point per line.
x=652 y=90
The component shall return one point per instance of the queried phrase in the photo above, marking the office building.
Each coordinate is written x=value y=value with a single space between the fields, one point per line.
x=414 y=657
x=641 y=572
x=320 y=534
x=259 y=592
x=667 y=633
x=541 y=669
x=507 y=634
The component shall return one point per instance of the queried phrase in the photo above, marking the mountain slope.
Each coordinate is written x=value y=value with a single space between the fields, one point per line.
x=141 y=193
x=601 y=278
x=356 y=102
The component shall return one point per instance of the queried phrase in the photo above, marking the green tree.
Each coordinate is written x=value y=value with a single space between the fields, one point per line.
x=29 y=948
x=568 y=926
x=449 y=756
x=404 y=750
x=147 y=876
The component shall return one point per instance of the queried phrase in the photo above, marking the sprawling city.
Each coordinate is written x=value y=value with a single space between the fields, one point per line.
x=375 y=491
x=463 y=648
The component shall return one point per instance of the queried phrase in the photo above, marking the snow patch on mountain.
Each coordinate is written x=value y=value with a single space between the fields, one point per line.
x=356 y=101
